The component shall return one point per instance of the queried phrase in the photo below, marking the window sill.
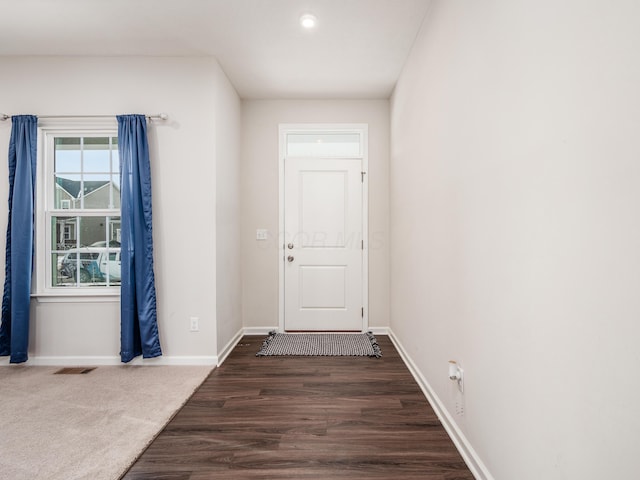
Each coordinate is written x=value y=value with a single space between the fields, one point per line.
x=77 y=297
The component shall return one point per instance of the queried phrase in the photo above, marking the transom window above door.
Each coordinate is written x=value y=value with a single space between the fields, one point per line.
x=324 y=144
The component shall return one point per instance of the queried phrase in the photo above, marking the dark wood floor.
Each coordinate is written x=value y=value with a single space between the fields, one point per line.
x=304 y=418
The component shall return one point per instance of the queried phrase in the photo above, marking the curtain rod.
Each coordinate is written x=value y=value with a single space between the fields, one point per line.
x=159 y=116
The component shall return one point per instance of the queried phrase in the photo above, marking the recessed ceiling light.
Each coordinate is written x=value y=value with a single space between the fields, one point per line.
x=308 y=21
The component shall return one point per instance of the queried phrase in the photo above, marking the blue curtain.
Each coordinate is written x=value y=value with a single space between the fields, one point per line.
x=138 y=320
x=14 y=330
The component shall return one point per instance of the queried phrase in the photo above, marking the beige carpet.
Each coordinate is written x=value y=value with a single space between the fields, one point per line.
x=89 y=426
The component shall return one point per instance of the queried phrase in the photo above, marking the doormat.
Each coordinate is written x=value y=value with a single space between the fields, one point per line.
x=320 y=344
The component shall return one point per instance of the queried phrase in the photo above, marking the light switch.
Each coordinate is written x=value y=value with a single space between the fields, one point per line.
x=262 y=234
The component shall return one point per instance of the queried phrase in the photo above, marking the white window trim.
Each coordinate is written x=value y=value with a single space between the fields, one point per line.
x=40 y=288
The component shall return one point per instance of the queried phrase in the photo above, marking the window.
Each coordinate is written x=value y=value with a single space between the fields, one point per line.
x=69 y=232
x=324 y=144
x=79 y=212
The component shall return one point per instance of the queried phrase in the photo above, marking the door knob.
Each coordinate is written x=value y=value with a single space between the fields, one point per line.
x=290 y=246
x=290 y=258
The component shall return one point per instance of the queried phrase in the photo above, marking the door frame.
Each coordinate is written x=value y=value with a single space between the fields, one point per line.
x=363 y=130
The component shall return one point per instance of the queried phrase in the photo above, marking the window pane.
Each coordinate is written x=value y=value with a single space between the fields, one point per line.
x=67 y=143
x=99 y=143
x=115 y=157
x=64 y=233
x=109 y=263
x=323 y=144
x=67 y=155
x=97 y=156
x=114 y=231
x=67 y=188
x=115 y=180
x=57 y=278
x=97 y=191
x=92 y=230
x=93 y=259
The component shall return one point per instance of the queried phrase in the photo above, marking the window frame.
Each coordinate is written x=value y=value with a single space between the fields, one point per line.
x=42 y=287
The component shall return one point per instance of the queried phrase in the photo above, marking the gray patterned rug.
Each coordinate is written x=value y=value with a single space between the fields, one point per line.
x=320 y=344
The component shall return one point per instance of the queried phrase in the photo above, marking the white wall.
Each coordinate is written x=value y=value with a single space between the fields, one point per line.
x=259 y=192
x=516 y=230
x=228 y=282
x=183 y=167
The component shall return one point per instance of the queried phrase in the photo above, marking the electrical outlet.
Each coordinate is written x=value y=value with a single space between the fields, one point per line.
x=461 y=379
x=460 y=407
x=194 y=324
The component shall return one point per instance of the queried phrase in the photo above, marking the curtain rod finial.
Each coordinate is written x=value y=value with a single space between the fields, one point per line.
x=158 y=116
x=4 y=116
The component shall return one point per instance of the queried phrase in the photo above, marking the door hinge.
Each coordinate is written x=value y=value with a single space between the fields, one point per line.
x=362 y=244
x=362 y=312
x=362 y=174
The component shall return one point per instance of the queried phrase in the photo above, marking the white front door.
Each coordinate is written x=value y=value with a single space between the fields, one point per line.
x=323 y=254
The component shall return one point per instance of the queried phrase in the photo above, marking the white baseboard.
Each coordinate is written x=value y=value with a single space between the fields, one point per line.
x=469 y=455
x=67 y=361
x=379 y=330
x=226 y=350
x=259 y=330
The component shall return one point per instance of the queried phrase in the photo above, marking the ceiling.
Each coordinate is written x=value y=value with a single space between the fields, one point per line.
x=357 y=50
